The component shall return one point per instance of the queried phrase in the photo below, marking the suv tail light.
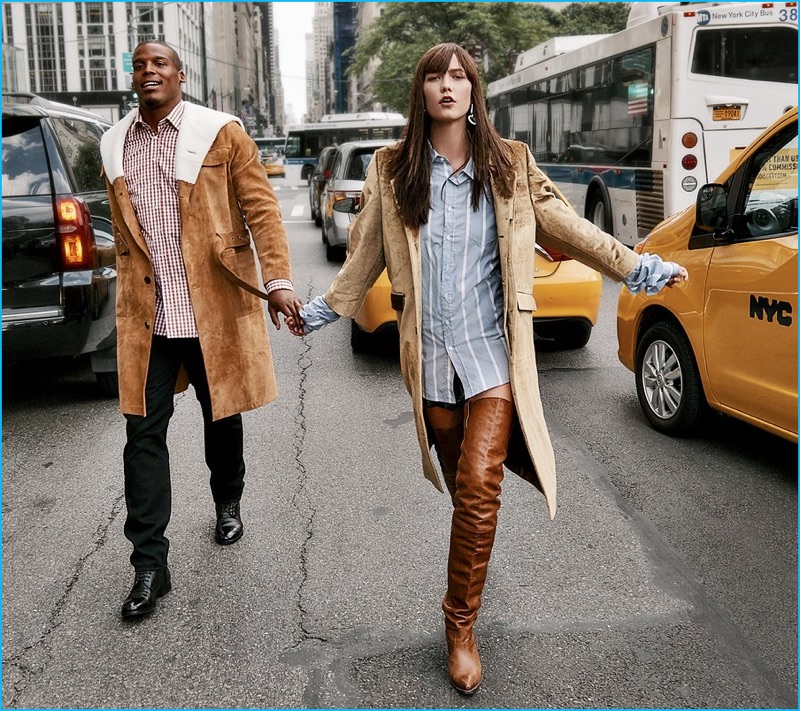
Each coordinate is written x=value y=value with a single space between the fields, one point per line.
x=342 y=194
x=75 y=234
x=553 y=255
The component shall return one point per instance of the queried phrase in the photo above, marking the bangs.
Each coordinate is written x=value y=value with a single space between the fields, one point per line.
x=439 y=58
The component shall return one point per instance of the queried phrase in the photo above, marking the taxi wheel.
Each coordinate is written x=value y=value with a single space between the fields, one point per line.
x=667 y=380
x=571 y=335
x=360 y=341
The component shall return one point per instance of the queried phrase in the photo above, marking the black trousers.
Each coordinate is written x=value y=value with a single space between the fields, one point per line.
x=148 y=490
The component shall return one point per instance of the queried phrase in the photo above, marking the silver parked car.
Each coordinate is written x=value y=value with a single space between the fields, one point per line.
x=348 y=173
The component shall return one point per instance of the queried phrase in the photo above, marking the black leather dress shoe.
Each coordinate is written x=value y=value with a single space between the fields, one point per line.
x=229 y=528
x=148 y=586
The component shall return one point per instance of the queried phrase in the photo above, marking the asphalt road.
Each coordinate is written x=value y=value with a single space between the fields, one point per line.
x=668 y=579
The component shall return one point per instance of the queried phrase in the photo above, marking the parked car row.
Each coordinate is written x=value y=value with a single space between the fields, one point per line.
x=59 y=276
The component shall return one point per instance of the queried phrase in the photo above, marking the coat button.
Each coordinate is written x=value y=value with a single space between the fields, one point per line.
x=147 y=324
x=147 y=280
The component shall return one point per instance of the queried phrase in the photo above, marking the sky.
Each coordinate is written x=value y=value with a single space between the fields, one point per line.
x=293 y=21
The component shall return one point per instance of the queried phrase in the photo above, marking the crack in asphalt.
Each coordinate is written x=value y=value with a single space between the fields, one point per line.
x=304 y=362
x=22 y=661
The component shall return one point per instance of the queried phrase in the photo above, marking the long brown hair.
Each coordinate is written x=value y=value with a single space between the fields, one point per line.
x=410 y=164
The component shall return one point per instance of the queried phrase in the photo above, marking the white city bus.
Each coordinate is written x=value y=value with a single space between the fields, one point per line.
x=629 y=125
x=305 y=141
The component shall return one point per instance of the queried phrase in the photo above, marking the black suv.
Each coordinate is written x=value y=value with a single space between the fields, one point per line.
x=59 y=274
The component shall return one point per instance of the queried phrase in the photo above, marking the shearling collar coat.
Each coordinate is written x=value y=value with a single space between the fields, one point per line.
x=225 y=201
x=379 y=238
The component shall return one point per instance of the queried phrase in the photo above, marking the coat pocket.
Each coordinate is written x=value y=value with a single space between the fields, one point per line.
x=525 y=301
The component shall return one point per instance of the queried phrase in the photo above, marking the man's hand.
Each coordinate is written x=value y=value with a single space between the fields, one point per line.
x=285 y=301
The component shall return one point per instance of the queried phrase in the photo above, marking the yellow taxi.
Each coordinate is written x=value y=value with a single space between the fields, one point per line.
x=727 y=338
x=567 y=304
x=274 y=167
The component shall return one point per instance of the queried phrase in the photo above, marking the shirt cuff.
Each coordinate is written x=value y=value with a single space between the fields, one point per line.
x=276 y=284
x=316 y=314
x=650 y=274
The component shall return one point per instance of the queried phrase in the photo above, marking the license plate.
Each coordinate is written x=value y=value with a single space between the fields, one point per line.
x=727 y=113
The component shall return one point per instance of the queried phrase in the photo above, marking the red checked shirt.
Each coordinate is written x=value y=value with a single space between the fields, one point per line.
x=148 y=164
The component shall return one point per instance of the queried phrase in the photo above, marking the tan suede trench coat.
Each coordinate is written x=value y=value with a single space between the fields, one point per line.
x=222 y=191
x=379 y=239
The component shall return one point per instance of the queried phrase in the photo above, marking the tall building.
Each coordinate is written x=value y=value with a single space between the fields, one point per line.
x=80 y=52
x=344 y=37
x=319 y=101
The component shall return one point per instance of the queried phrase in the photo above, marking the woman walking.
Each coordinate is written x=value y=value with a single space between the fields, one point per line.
x=453 y=212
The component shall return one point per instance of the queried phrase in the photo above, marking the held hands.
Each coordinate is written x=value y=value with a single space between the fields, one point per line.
x=294 y=325
x=286 y=302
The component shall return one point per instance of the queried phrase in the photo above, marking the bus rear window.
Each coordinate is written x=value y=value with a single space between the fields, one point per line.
x=755 y=53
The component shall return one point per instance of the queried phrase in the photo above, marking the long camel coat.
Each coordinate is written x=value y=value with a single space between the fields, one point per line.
x=379 y=238
x=222 y=191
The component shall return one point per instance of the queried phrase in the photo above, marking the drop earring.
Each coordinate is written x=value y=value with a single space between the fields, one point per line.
x=471 y=115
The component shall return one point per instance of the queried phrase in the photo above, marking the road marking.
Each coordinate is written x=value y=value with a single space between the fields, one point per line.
x=297 y=210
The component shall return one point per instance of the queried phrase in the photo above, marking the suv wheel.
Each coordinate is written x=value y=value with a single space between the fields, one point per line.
x=108 y=383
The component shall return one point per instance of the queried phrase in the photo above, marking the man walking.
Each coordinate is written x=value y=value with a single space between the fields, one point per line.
x=187 y=193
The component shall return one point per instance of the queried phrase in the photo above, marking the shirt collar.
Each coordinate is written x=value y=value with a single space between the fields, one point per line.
x=175 y=117
x=468 y=169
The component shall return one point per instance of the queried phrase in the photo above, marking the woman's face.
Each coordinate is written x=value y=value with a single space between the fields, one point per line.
x=448 y=95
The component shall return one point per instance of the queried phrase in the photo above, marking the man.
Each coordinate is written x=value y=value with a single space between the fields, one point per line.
x=187 y=192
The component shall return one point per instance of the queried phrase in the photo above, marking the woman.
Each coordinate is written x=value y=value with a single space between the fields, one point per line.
x=453 y=212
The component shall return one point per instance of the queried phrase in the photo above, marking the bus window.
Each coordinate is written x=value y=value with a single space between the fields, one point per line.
x=630 y=139
x=758 y=53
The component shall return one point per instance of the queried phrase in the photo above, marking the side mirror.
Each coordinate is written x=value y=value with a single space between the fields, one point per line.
x=346 y=205
x=712 y=207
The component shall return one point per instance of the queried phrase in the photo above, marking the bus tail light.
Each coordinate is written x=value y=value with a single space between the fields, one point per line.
x=689 y=162
x=75 y=234
x=689 y=140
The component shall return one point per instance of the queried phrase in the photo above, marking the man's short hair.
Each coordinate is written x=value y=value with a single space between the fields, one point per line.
x=172 y=51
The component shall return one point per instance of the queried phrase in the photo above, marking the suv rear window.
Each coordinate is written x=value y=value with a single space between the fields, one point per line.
x=80 y=143
x=359 y=162
x=24 y=159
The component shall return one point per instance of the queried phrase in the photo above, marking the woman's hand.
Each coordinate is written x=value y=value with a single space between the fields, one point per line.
x=293 y=326
x=682 y=275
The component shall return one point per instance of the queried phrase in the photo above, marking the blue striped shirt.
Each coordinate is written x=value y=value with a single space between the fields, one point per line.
x=462 y=300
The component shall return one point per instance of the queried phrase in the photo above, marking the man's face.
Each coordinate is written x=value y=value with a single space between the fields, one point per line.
x=156 y=77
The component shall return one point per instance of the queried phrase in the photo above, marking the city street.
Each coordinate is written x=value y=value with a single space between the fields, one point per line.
x=667 y=579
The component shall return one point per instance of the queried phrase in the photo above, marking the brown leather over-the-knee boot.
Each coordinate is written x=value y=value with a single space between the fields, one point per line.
x=487 y=429
x=448 y=433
